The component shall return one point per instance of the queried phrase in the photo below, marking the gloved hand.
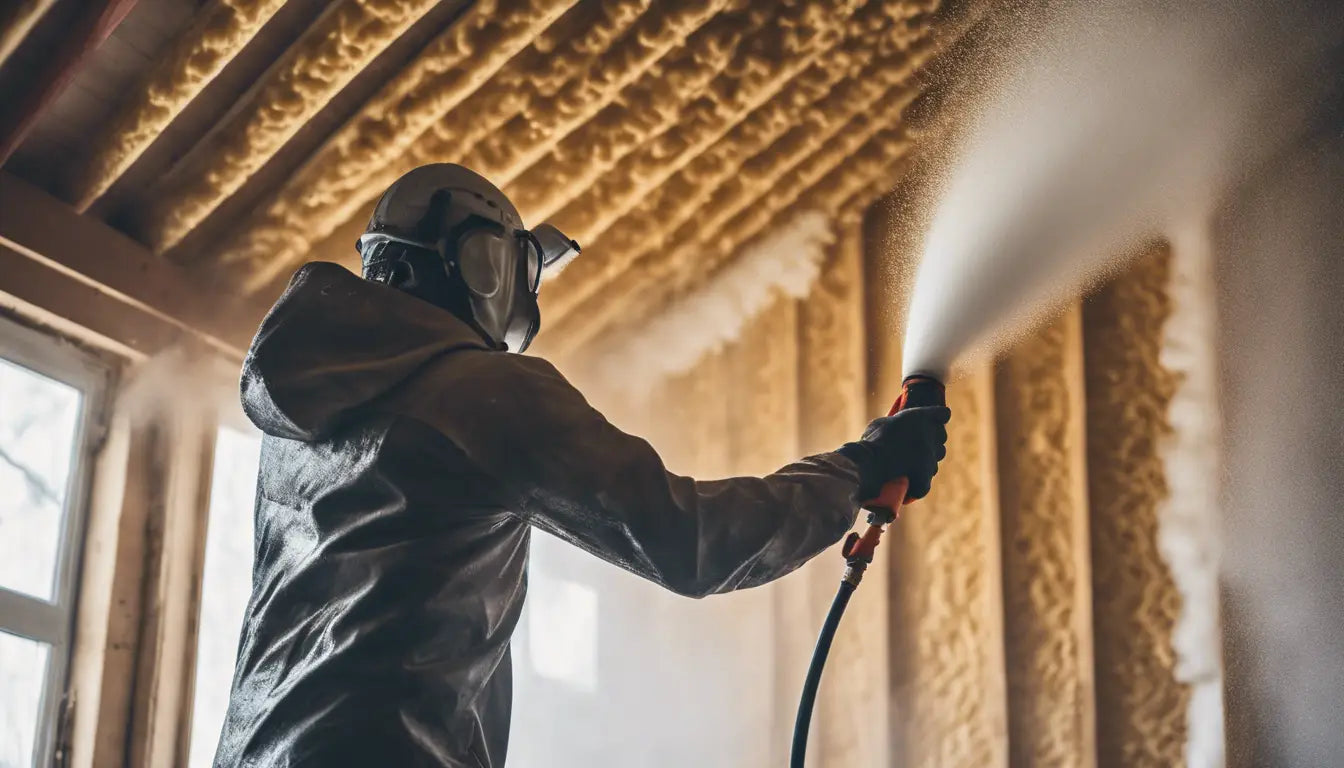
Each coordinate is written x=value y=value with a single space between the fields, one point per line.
x=909 y=444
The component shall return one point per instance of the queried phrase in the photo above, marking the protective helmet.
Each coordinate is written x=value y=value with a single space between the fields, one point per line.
x=480 y=239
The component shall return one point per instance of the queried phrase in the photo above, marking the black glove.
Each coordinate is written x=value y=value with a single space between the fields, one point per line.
x=909 y=444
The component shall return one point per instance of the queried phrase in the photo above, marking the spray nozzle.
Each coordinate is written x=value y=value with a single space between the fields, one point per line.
x=919 y=390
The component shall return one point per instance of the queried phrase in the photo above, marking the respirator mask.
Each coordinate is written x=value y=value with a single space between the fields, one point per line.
x=480 y=242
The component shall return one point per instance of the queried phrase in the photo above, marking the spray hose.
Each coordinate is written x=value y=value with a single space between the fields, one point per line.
x=858 y=552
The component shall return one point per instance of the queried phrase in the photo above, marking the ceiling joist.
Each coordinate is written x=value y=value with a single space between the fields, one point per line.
x=92 y=24
x=665 y=135
x=338 y=46
x=773 y=137
x=316 y=203
x=648 y=157
x=217 y=35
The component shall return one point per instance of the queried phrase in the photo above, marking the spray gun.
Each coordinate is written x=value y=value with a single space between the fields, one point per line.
x=916 y=391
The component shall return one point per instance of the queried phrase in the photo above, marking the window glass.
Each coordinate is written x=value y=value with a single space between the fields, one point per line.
x=38 y=428
x=225 y=586
x=23 y=673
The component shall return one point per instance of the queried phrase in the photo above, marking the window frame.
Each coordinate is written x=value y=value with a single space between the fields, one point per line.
x=225 y=416
x=53 y=621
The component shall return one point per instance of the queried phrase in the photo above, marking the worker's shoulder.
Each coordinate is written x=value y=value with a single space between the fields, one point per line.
x=486 y=377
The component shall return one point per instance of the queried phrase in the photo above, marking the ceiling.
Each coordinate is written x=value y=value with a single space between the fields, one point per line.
x=239 y=138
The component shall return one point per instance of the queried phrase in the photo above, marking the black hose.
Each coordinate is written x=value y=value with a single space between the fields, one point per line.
x=809 y=697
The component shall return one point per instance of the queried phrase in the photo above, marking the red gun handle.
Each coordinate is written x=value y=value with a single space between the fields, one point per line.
x=892 y=496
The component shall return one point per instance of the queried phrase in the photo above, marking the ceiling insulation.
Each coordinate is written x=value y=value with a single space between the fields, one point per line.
x=336 y=185
x=342 y=42
x=667 y=136
x=221 y=31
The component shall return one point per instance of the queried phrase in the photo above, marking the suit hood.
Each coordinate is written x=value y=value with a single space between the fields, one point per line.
x=334 y=342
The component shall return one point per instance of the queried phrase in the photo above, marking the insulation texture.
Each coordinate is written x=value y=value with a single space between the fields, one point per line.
x=644 y=159
x=740 y=210
x=217 y=35
x=345 y=39
x=516 y=108
x=1046 y=573
x=1141 y=704
x=768 y=140
x=946 y=647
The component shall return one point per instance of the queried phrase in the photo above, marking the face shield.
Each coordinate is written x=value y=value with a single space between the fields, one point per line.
x=480 y=239
x=500 y=268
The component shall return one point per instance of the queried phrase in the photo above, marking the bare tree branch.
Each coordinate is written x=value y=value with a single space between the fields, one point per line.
x=36 y=485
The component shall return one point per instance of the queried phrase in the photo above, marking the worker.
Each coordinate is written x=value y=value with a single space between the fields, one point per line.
x=407 y=454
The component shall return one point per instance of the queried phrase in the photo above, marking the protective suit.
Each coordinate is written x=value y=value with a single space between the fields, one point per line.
x=404 y=461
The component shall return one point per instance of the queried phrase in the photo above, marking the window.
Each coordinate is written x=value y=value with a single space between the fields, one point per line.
x=50 y=397
x=225 y=586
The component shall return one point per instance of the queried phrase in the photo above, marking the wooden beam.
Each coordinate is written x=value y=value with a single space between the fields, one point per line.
x=220 y=31
x=78 y=269
x=90 y=28
x=111 y=594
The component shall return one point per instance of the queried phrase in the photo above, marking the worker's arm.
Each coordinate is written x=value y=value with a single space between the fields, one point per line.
x=565 y=469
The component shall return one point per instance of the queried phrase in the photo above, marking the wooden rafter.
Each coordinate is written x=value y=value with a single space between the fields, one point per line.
x=663 y=134
x=338 y=46
x=91 y=26
x=769 y=141
x=90 y=274
x=217 y=35
x=339 y=185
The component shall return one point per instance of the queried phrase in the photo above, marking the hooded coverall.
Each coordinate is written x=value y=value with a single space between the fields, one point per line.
x=403 y=464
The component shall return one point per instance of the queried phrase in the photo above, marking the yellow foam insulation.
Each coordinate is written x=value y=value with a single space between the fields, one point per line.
x=644 y=155
x=215 y=37
x=359 y=160
x=855 y=153
x=647 y=107
x=529 y=136
x=664 y=135
x=335 y=49
x=560 y=86
x=747 y=161
x=541 y=123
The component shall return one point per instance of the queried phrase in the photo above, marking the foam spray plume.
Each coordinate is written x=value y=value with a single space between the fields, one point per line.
x=1106 y=124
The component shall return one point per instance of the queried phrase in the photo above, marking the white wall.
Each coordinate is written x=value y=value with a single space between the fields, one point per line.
x=1281 y=278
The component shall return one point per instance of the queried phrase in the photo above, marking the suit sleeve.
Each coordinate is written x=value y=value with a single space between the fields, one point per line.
x=568 y=471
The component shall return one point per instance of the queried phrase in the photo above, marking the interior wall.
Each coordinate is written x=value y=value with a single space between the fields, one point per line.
x=1029 y=612
x=1032 y=608
x=1280 y=248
